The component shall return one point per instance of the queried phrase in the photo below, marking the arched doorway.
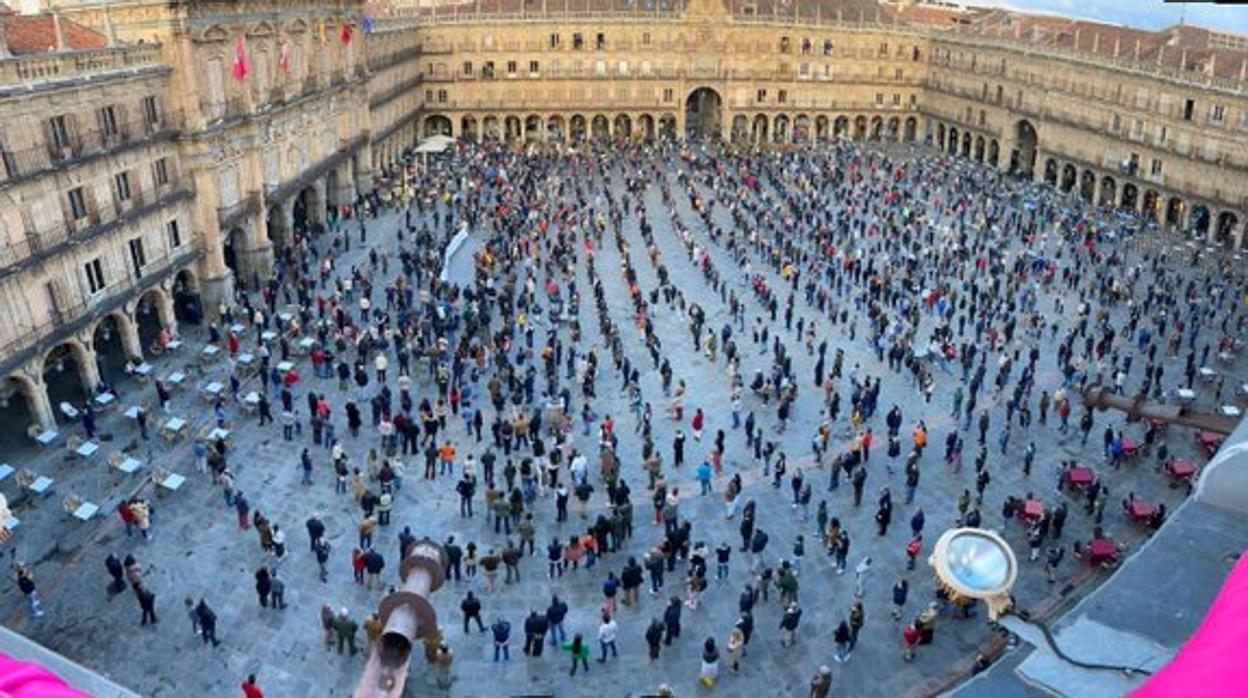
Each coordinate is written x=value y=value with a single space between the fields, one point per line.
x=1069 y=176
x=111 y=352
x=966 y=144
x=877 y=128
x=940 y=136
x=953 y=141
x=623 y=126
x=912 y=127
x=17 y=403
x=490 y=128
x=576 y=126
x=512 y=129
x=1225 y=231
x=1023 y=159
x=994 y=152
x=1152 y=205
x=801 y=128
x=600 y=127
x=437 y=125
x=645 y=125
x=703 y=110
x=554 y=128
x=740 y=128
x=1130 y=196
x=979 y=149
x=1200 y=220
x=1050 y=172
x=1087 y=186
x=781 y=131
x=304 y=212
x=821 y=127
x=187 y=307
x=840 y=127
x=66 y=375
x=1109 y=191
x=1174 y=211
x=532 y=128
x=229 y=249
x=860 y=127
x=468 y=128
x=275 y=222
x=759 y=132
x=894 y=129
x=151 y=314
x=667 y=127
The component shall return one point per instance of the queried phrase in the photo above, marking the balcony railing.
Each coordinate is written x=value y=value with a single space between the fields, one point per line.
x=25 y=163
x=39 y=68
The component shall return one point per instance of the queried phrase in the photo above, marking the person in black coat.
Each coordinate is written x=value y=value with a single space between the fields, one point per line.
x=788 y=624
x=117 y=571
x=671 y=620
x=471 y=607
x=654 y=638
x=263 y=586
x=534 y=633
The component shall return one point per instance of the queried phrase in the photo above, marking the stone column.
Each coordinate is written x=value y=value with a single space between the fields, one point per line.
x=344 y=189
x=88 y=369
x=255 y=251
x=217 y=281
x=130 y=341
x=363 y=169
x=1096 y=189
x=40 y=405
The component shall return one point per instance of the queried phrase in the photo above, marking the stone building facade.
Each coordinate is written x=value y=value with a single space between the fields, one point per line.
x=144 y=177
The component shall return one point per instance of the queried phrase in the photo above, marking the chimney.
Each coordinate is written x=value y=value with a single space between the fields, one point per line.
x=1211 y=68
x=1096 y=43
x=1117 y=43
x=58 y=30
x=1137 y=48
x=109 y=30
x=1183 y=60
x=4 y=43
x=1243 y=69
x=1076 y=38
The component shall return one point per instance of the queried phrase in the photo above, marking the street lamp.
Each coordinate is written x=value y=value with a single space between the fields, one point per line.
x=976 y=564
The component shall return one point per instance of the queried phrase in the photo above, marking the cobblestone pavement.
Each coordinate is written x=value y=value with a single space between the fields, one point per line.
x=198 y=549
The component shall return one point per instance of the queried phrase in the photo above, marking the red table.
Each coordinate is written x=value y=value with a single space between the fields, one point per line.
x=1139 y=510
x=1033 y=510
x=1129 y=447
x=1181 y=469
x=1080 y=477
x=1101 y=550
x=1208 y=440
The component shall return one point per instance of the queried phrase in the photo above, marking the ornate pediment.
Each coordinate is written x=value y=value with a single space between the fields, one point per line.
x=211 y=34
x=261 y=29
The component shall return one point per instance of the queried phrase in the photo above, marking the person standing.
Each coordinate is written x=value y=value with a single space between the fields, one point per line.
x=842 y=637
x=471 y=608
x=501 y=631
x=900 y=590
x=251 y=689
x=861 y=573
x=207 y=622
x=263 y=586
x=580 y=653
x=344 y=629
x=710 y=663
x=788 y=625
x=117 y=572
x=26 y=582
x=147 y=602
x=821 y=684
x=606 y=637
x=277 y=590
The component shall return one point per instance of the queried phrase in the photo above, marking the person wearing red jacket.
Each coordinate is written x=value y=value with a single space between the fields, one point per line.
x=251 y=689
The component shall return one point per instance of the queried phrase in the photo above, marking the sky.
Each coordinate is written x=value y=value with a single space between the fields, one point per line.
x=1141 y=14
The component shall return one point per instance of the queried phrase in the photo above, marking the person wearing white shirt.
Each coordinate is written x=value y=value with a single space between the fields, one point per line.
x=606 y=637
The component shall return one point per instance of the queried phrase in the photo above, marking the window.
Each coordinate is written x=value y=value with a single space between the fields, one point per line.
x=1162 y=132
x=511 y=69
x=108 y=121
x=467 y=69
x=803 y=69
x=914 y=99
x=784 y=44
x=879 y=97
x=600 y=67
x=121 y=182
x=645 y=39
x=554 y=41
x=429 y=96
x=1217 y=113
x=533 y=68
x=174 y=235
x=95 y=275
x=138 y=258
x=1137 y=129
x=828 y=47
x=1211 y=149
x=915 y=54
x=1116 y=124
x=578 y=42
x=441 y=96
x=983 y=117
x=151 y=112
x=1155 y=168
x=897 y=74
x=646 y=68
x=1189 y=106
x=1141 y=97
x=600 y=41
x=623 y=67
x=59 y=127
x=667 y=94
x=807 y=47
x=782 y=96
x=77 y=203
x=883 y=50
x=983 y=92
x=160 y=172
x=762 y=96
x=1000 y=93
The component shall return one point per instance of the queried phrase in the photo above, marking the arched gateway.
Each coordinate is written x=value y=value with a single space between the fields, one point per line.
x=703 y=114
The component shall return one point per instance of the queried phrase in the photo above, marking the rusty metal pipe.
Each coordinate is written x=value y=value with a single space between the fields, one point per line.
x=406 y=616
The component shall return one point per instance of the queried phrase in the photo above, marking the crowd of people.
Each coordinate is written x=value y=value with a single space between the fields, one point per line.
x=642 y=327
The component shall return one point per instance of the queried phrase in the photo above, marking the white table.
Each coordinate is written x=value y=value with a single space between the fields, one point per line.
x=1230 y=411
x=88 y=449
x=1207 y=373
x=85 y=511
x=173 y=344
x=268 y=335
x=12 y=523
x=130 y=465
x=144 y=369
x=285 y=317
x=284 y=366
x=251 y=400
x=237 y=329
x=1186 y=395
x=132 y=412
x=69 y=410
x=105 y=399
x=219 y=433
x=246 y=360
x=213 y=390
x=5 y=471
x=172 y=482
x=41 y=485
x=210 y=351
x=305 y=345
x=175 y=425
x=47 y=437
x=1243 y=389
x=175 y=378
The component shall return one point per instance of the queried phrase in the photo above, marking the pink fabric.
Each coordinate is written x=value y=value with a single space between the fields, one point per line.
x=25 y=680
x=1211 y=658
